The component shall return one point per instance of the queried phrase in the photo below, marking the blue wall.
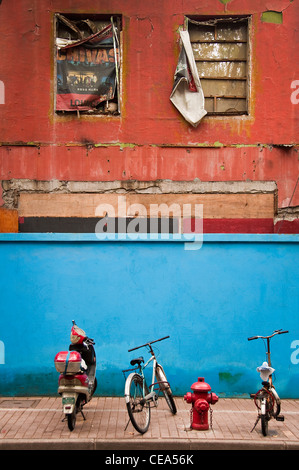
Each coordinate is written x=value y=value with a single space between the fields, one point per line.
x=124 y=293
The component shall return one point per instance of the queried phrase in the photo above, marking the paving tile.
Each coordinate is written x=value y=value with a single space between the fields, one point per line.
x=38 y=421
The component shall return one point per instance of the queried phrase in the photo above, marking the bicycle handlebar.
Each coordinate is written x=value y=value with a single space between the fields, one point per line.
x=147 y=344
x=276 y=332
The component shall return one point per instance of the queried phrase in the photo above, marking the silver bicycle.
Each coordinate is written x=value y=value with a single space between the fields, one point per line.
x=139 y=397
x=267 y=399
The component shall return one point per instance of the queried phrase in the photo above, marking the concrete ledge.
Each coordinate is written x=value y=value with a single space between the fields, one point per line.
x=145 y=237
x=146 y=187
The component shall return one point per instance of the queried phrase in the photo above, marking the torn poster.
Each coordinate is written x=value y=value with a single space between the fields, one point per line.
x=187 y=94
x=86 y=71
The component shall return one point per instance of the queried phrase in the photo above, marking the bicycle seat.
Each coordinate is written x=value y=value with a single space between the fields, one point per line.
x=138 y=361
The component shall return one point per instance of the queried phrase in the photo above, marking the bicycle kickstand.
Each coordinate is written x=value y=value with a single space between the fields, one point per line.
x=257 y=420
x=127 y=425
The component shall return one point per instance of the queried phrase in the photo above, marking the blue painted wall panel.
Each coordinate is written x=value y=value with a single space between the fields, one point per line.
x=126 y=293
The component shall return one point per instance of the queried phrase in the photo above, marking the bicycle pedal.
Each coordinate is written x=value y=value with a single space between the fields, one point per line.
x=280 y=418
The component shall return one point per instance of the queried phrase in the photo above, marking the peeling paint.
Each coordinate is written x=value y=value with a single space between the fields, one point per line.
x=272 y=17
x=117 y=144
x=218 y=144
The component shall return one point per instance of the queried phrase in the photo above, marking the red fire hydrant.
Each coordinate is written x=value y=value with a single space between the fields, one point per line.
x=201 y=400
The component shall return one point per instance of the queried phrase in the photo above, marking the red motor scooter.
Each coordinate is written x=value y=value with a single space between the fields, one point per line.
x=77 y=381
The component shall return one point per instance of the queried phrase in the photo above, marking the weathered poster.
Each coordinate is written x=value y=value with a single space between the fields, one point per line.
x=86 y=73
x=187 y=94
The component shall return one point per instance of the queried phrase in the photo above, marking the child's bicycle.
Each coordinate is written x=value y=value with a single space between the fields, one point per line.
x=139 y=397
x=266 y=399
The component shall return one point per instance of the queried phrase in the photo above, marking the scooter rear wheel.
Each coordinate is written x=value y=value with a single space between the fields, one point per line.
x=71 y=419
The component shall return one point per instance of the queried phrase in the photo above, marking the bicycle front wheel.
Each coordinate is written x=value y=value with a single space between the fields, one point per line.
x=138 y=409
x=264 y=416
x=165 y=388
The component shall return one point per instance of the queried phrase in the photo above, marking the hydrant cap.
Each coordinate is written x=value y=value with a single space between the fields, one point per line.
x=200 y=385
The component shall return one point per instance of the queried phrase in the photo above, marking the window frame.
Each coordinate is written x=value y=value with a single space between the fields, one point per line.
x=216 y=20
x=118 y=94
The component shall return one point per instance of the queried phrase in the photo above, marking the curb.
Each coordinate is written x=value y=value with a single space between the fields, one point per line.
x=156 y=445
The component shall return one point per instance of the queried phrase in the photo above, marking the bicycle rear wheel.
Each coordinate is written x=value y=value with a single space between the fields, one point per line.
x=138 y=410
x=165 y=388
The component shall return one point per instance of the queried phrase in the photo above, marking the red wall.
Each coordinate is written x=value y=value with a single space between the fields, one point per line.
x=150 y=140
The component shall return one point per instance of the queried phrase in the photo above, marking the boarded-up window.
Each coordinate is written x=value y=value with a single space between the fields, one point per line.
x=221 y=52
x=88 y=64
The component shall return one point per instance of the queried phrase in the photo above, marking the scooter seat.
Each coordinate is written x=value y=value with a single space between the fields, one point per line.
x=87 y=353
x=138 y=361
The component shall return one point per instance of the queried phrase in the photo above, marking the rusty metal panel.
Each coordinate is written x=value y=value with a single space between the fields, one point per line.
x=236 y=70
x=8 y=220
x=220 y=50
x=220 y=32
x=232 y=31
x=229 y=88
x=226 y=105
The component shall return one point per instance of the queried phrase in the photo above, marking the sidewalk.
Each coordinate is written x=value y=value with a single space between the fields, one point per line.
x=35 y=423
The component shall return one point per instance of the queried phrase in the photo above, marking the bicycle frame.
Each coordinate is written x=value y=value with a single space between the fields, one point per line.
x=151 y=395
